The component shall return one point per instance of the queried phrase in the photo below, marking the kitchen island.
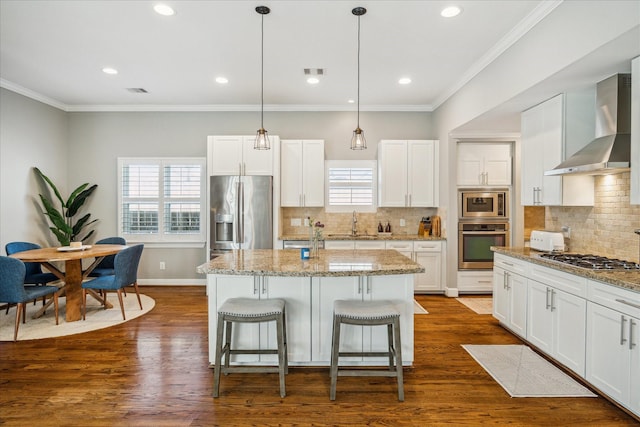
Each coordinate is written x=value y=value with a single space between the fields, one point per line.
x=309 y=288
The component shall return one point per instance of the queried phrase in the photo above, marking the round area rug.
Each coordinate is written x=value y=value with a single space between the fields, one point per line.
x=97 y=318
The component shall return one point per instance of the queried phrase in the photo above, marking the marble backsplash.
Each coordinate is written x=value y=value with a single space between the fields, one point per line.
x=607 y=228
x=337 y=223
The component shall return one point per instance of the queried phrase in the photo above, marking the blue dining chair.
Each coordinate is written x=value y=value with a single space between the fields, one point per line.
x=126 y=273
x=13 y=291
x=34 y=274
x=105 y=267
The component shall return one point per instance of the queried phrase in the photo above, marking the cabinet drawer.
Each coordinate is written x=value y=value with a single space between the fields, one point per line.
x=376 y=244
x=339 y=244
x=406 y=246
x=510 y=264
x=427 y=246
x=619 y=299
x=567 y=282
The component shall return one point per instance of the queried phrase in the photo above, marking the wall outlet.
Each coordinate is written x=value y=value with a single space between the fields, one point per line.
x=403 y=223
x=306 y=222
x=296 y=222
x=162 y=265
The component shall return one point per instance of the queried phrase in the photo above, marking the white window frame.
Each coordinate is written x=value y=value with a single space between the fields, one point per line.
x=328 y=164
x=161 y=238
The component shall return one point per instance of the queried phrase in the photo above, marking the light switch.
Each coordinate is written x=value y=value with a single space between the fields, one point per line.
x=296 y=222
x=403 y=223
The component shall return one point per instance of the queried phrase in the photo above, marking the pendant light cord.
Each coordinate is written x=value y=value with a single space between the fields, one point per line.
x=262 y=74
x=358 y=120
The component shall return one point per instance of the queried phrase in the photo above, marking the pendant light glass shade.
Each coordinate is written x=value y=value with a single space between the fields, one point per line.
x=358 y=141
x=262 y=137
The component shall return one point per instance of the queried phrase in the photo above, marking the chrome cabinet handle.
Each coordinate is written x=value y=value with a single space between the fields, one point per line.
x=628 y=303
x=264 y=285
x=255 y=285
x=622 y=338
x=631 y=325
x=368 y=285
x=504 y=280
x=553 y=293
x=359 y=285
x=547 y=305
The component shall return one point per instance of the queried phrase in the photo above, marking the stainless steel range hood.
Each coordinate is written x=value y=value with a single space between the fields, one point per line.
x=610 y=152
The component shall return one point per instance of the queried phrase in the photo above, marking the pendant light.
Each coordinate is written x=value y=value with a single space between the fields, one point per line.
x=358 y=142
x=262 y=138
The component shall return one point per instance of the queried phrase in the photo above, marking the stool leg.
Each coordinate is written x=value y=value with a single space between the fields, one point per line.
x=227 y=346
x=281 y=352
x=335 y=349
x=217 y=367
x=398 y=345
x=390 y=344
x=286 y=343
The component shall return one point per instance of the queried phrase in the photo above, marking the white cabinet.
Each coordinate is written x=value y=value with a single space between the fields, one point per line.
x=429 y=255
x=635 y=131
x=339 y=244
x=296 y=291
x=550 y=132
x=510 y=299
x=408 y=173
x=397 y=288
x=369 y=244
x=484 y=163
x=613 y=343
x=475 y=281
x=235 y=155
x=556 y=324
x=302 y=173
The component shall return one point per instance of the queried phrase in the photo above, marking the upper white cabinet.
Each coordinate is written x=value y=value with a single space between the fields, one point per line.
x=635 y=131
x=484 y=163
x=407 y=173
x=550 y=132
x=302 y=173
x=235 y=155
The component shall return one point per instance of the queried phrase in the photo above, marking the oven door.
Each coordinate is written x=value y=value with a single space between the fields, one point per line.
x=474 y=247
x=480 y=205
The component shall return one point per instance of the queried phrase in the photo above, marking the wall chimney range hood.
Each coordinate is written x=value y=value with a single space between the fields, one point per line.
x=610 y=152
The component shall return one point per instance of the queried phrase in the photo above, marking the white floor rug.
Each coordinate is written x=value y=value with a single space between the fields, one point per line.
x=479 y=305
x=418 y=309
x=97 y=318
x=524 y=373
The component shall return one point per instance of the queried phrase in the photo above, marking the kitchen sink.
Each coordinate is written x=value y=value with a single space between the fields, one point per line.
x=351 y=236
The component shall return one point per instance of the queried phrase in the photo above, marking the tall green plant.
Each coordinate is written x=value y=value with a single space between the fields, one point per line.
x=65 y=228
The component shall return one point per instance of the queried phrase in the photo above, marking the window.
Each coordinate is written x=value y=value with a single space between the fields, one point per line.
x=351 y=185
x=161 y=199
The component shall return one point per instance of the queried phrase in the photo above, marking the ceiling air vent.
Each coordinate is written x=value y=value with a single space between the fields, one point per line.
x=314 y=71
x=137 y=90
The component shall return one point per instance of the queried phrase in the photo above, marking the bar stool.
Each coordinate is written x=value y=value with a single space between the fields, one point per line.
x=367 y=313
x=247 y=310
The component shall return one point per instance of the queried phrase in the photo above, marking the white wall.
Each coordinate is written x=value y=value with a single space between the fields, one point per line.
x=31 y=134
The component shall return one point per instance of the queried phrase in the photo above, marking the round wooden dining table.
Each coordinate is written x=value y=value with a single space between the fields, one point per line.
x=73 y=275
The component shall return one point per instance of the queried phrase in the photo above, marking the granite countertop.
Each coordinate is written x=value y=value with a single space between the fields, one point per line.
x=269 y=262
x=629 y=279
x=346 y=236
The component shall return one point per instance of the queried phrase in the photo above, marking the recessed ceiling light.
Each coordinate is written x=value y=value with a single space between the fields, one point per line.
x=164 y=10
x=222 y=80
x=451 y=11
x=404 y=81
x=351 y=101
x=313 y=80
x=109 y=70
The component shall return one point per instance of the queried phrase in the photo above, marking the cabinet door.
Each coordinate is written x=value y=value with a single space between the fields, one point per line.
x=569 y=330
x=392 y=174
x=551 y=144
x=531 y=125
x=470 y=164
x=518 y=304
x=430 y=279
x=369 y=244
x=634 y=193
x=539 y=324
x=258 y=162
x=313 y=173
x=497 y=164
x=634 y=377
x=608 y=358
x=291 y=173
x=325 y=290
x=421 y=182
x=500 y=295
x=226 y=156
x=296 y=291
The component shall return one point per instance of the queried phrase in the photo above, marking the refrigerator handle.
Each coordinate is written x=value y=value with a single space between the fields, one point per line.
x=240 y=217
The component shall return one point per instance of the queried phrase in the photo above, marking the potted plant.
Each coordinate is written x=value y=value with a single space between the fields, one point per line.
x=65 y=227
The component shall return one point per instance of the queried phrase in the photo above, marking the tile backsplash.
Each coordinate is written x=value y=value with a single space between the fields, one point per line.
x=605 y=228
x=338 y=223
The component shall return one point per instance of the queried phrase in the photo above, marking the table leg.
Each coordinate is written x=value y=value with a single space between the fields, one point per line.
x=73 y=280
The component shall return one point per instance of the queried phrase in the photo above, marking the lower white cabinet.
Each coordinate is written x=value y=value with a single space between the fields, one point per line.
x=429 y=255
x=510 y=300
x=556 y=324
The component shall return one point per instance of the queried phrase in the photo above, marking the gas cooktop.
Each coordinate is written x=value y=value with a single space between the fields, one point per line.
x=591 y=262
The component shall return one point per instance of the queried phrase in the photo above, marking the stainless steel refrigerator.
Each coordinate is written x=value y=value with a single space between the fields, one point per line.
x=241 y=215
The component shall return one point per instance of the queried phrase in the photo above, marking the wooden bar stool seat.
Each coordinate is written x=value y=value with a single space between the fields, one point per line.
x=248 y=310
x=367 y=313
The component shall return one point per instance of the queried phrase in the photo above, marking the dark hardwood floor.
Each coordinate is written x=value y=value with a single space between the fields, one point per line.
x=153 y=371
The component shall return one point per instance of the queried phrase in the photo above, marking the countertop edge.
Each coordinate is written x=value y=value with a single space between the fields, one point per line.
x=372 y=237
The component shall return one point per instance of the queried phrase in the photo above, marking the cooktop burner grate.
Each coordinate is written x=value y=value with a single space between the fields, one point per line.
x=592 y=262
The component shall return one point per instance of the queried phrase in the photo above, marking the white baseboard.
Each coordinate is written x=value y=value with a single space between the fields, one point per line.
x=451 y=292
x=172 y=282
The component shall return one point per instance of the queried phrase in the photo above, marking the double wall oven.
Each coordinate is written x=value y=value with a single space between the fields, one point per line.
x=483 y=221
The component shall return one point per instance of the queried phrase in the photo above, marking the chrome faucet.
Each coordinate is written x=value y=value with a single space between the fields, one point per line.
x=354 y=224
